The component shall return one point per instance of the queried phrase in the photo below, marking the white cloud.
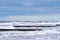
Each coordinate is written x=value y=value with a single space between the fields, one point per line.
x=32 y=18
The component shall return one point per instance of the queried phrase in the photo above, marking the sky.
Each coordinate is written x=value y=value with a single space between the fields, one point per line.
x=29 y=10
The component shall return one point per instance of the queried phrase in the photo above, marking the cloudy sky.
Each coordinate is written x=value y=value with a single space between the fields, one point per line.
x=29 y=10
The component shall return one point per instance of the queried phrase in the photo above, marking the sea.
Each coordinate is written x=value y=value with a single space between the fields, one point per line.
x=48 y=33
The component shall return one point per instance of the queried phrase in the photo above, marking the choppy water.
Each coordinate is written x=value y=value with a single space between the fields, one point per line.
x=52 y=33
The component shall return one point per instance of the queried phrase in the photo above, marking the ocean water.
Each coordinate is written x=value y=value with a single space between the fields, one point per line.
x=48 y=33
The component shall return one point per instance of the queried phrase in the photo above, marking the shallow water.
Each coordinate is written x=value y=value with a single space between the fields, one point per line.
x=52 y=33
